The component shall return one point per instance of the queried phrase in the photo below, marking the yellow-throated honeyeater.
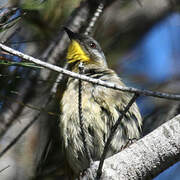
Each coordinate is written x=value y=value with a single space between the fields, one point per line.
x=101 y=106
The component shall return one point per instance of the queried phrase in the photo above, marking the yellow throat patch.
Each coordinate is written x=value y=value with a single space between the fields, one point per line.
x=76 y=53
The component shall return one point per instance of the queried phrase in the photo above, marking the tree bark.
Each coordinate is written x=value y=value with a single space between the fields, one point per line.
x=147 y=157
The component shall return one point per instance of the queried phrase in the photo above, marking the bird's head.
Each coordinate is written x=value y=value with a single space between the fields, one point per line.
x=84 y=49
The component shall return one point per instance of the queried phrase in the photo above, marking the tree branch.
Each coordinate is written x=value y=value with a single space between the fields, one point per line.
x=147 y=157
x=88 y=79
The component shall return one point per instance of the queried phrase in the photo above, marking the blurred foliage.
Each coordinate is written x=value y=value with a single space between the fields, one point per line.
x=46 y=15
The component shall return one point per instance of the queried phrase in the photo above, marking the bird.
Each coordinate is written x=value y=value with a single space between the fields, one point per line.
x=101 y=107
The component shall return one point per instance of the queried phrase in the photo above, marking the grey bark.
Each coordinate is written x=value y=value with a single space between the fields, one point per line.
x=147 y=157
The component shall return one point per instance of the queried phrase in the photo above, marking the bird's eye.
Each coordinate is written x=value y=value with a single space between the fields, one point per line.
x=92 y=45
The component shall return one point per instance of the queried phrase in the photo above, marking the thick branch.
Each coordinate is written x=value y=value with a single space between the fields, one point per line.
x=85 y=78
x=147 y=157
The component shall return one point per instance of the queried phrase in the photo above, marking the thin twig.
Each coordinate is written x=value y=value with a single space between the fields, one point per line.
x=81 y=116
x=4 y=168
x=88 y=79
x=112 y=133
x=95 y=17
x=87 y=31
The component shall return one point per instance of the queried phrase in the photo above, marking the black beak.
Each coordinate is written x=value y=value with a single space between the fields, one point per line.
x=71 y=34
